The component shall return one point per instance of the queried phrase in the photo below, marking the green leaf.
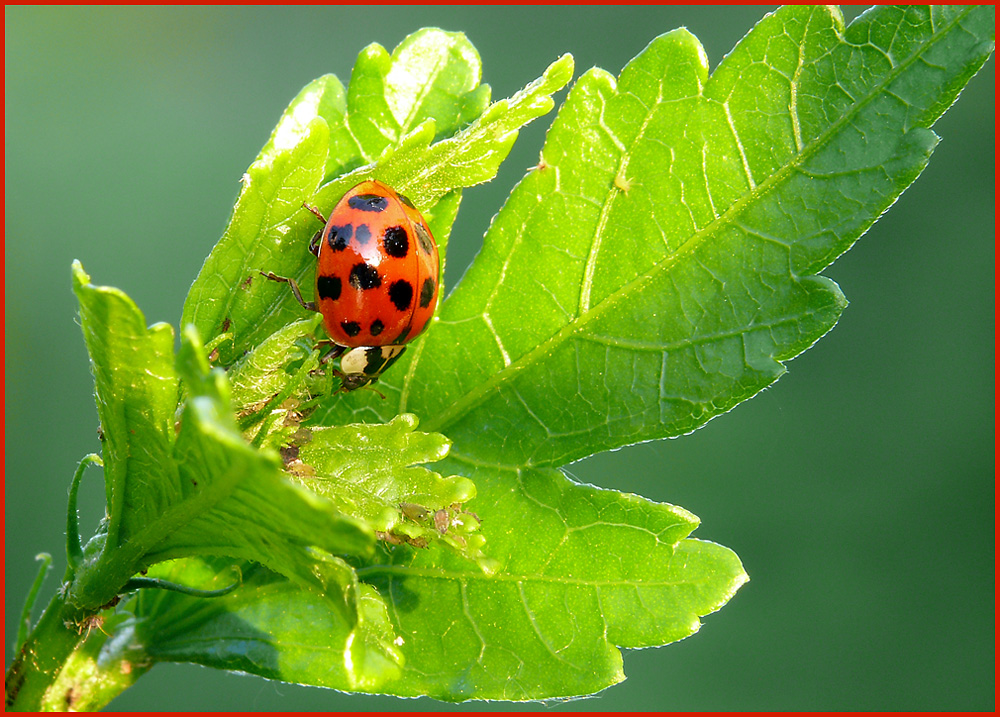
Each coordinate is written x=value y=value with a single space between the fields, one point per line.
x=386 y=116
x=321 y=134
x=234 y=501
x=267 y=223
x=136 y=388
x=275 y=377
x=342 y=460
x=659 y=266
x=581 y=571
x=431 y=175
x=324 y=98
x=432 y=74
x=603 y=569
x=370 y=471
x=198 y=489
x=268 y=626
x=261 y=373
x=656 y=269
x=426 y=172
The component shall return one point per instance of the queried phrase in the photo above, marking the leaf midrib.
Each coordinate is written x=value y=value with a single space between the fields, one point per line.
x=516 y=579
x=480 y=393
x=237 y=233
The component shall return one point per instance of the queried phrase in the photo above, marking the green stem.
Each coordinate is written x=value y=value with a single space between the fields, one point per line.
x=157 y=584
x=74 y=549
x=95 y=673
x=58 y=670
x=43 y=655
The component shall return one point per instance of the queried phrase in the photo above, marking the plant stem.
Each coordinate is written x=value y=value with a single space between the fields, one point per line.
x=43 y=655
x=58 y=668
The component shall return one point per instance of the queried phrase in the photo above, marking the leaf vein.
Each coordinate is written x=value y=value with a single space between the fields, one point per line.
x=480 y=392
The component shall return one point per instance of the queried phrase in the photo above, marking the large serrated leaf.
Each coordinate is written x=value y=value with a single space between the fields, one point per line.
x=603 y=569
x=658 y=267
x=581 y=571
x=655 y=269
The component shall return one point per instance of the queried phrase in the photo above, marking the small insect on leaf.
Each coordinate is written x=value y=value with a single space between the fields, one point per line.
x=377 y=279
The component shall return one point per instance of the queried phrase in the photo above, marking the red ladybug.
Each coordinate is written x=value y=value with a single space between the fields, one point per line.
x=376 y=281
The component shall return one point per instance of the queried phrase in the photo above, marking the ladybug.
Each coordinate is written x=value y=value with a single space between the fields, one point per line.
x=376 y=279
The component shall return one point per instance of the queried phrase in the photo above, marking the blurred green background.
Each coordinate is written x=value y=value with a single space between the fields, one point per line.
x=858 y=491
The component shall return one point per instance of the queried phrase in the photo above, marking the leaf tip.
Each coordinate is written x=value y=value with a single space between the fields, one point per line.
x=561 y=71
x=80 y=277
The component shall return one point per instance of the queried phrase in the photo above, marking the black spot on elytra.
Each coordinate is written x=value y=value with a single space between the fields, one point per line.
x=351 y=328
x=401 y=294
x=426 y=292
x=424 y=239
x=339 y=236
x=328 y=287
x=362 y=233
x=368 y=202
x=396 y=242
x=365 y=276
x=376 y=328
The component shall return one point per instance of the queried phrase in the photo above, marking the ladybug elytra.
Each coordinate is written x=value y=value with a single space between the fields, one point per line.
x=376 y=279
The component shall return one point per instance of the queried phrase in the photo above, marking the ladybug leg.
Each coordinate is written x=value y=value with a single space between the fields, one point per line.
x=314 y=244
x=335 y=351
x=372 y=388
x=307 y=305
x=315 y=212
